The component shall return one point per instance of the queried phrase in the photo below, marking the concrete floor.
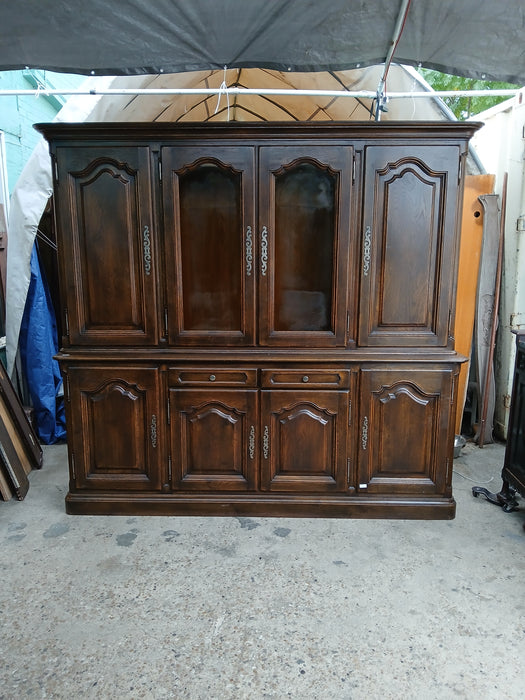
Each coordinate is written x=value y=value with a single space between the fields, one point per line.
x=205 y=608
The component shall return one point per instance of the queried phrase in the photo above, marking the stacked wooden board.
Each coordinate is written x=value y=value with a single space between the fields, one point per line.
x=20 y=451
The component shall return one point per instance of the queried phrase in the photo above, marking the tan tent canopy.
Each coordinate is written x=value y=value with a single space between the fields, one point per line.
x=260 y=107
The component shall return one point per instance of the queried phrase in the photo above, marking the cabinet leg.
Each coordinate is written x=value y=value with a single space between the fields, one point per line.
x=506 y=498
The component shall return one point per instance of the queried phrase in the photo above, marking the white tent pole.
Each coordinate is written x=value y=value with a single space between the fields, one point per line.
x=363 y=94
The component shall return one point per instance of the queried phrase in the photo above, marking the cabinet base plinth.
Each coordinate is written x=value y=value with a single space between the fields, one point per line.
x=412 y=508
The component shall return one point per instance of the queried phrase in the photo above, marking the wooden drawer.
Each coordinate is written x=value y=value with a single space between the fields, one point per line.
x=293 y=379
x=211 y=376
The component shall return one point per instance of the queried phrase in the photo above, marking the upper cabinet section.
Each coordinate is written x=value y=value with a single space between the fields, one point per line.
x=259 y=235
x=408 y=244
x=107 y=231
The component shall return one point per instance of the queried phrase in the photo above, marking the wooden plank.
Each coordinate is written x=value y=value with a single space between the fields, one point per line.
x=472 y=224
x=14 y=436
x=21 y=425
x=13 y=469
x=5 y=489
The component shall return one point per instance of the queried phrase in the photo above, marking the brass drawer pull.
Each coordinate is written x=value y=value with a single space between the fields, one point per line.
x=249 y=251
x=212 y=377
x=306 y=378
x=251 y=443
x=266 y=442
x=264 y=251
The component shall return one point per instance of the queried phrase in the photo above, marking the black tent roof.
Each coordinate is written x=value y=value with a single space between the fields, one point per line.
x=476 y=38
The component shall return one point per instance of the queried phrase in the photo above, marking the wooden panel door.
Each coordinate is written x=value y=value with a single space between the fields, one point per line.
x=408 y=247
x=107 y=236
x=214 y=439
x=210 y=265
x=304 y=214
x=406 y=430
x=115 y=432
x=304 y=441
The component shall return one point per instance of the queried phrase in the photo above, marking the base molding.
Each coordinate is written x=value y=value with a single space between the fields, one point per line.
x=401 y=507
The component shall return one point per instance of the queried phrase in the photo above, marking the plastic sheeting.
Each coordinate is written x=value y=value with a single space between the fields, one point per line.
x=38 y=345
x=476 y=38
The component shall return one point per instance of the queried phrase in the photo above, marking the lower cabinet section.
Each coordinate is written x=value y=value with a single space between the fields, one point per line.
x=363 y=441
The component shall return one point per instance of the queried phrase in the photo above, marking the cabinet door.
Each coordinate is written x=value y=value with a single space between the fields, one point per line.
x=304 y=436
x=406 y=431
x=408 y=247
x=115 y=432
x=304 y=213
x=213 y=439
x=208 y=221
x=107 y=245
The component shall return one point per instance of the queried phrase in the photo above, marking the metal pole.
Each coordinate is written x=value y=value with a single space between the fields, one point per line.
x=363 y=94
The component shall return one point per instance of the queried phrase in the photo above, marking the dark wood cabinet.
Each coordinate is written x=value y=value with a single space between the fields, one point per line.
x=258 y=316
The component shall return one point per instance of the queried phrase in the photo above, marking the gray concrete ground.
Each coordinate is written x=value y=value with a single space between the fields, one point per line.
x=204 y=608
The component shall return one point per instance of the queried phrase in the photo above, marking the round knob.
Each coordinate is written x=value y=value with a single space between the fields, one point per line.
x=212 y=377
x=305 y=378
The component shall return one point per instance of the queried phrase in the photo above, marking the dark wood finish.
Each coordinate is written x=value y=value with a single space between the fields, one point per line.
x=108 y=255
x=304 y=441
x=284 y=329
x=209 y=226
x=410 y=206
x=406 y=434
x=213 y=439
x=116 y=429
x=304 y=215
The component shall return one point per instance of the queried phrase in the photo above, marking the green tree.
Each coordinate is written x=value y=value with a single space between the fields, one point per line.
x=465 y=107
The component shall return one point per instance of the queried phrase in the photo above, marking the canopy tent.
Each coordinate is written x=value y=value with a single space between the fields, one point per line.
x=476 y=38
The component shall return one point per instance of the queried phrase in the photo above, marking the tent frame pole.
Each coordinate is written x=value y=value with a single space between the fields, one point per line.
x=363 y=94
x=398 y=30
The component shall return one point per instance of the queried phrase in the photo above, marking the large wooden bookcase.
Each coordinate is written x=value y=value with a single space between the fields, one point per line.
x=258 y=317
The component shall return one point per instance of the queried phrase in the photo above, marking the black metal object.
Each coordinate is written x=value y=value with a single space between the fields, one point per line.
x=513 y=472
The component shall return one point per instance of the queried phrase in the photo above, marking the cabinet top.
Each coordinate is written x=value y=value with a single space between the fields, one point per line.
x=166 y=131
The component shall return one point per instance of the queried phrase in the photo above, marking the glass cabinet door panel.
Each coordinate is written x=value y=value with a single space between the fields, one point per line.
x=304 y=232
x=211 y=267
x=304 y=236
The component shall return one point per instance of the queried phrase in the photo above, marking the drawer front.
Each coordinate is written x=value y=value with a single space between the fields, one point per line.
x=211 y=376
x=293 y=379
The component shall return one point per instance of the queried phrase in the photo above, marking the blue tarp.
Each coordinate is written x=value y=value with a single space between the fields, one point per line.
x=38 y=344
